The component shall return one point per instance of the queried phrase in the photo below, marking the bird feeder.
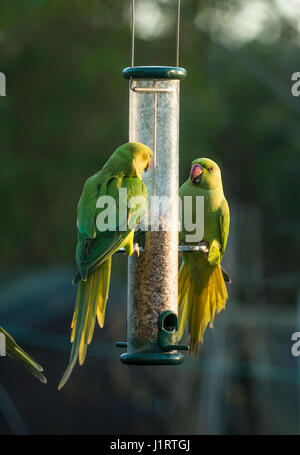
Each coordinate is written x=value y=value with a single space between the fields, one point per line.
x=152 y=322
x=152 y=306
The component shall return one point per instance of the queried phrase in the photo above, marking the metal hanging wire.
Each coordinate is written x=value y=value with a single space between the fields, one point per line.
x=152 y=89
x=178 y=33
x=133 y=32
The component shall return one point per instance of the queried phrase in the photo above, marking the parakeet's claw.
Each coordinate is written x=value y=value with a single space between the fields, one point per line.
x=226 y=277
x=205 y=247
x=136 y=249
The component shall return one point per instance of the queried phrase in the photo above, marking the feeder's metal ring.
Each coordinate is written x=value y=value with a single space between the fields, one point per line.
x=154 y=72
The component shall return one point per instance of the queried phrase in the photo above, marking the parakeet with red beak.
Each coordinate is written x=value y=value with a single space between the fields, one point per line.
x=95 y=246
x=202 y=290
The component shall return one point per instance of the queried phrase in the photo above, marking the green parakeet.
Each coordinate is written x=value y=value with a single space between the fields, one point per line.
x=14 y=351
x=202 y=292
x=95 y=247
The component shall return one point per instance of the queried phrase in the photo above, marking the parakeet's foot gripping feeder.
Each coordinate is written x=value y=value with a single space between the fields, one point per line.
x=152 y=321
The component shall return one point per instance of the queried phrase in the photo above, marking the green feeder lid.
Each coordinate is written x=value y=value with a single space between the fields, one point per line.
x=154 y=72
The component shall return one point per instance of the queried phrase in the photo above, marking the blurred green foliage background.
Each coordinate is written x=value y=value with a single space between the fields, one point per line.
x=66 y=110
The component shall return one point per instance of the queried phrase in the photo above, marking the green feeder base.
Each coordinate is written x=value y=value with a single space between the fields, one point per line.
x=152 y=358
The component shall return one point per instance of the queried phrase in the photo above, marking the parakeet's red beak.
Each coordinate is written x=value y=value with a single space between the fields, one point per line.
x=148 y=164
x=196 y=172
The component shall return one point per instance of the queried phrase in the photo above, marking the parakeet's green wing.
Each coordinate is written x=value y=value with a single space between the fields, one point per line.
x=94 y=186
x=108 y=242
x=16 y=352
x=118 y=165
x=224 y=221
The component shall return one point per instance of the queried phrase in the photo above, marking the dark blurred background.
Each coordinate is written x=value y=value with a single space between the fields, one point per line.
x=65 y=111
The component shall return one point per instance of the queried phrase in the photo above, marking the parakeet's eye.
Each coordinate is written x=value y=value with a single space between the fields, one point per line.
x=210 y=169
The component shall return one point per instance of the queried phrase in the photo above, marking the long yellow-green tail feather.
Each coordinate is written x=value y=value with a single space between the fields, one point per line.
x=198 y=304
x=14 y=351
x=103 y=295
x=90 y=303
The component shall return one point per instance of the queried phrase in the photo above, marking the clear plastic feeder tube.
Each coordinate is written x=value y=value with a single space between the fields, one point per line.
x=153 y=277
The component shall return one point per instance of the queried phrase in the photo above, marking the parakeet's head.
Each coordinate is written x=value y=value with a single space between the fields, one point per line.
x=205 y=173
x=137 y=155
